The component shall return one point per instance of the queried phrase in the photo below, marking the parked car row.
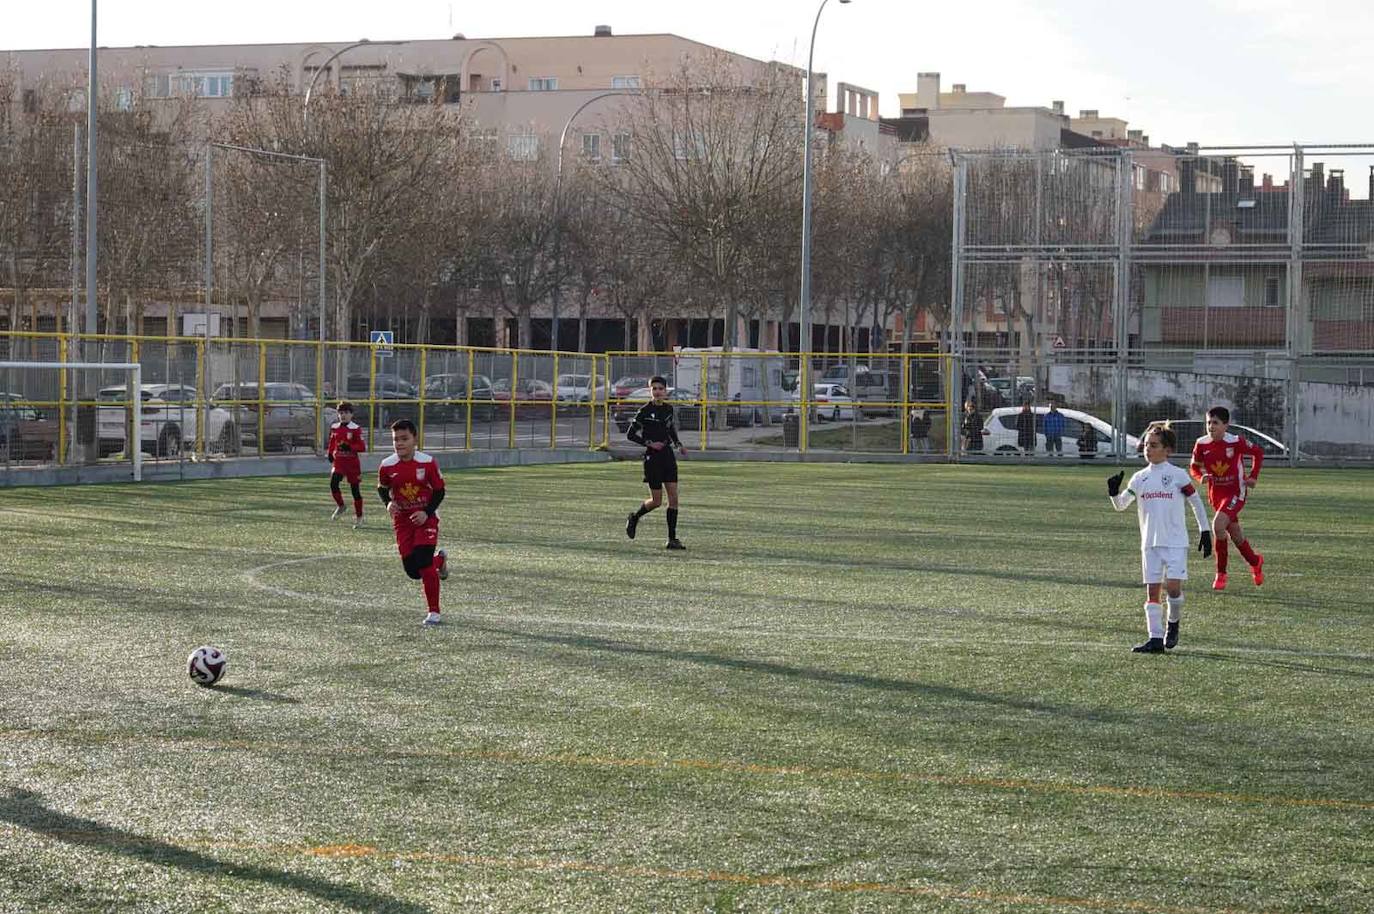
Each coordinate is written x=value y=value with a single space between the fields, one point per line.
x=26 y=432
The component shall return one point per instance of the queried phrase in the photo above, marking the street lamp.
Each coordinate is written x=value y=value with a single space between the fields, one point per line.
x=557 y=206
x=804 y=345
x=305 y=115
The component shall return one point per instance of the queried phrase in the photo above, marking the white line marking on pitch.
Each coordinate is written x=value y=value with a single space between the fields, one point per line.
x=251 y=576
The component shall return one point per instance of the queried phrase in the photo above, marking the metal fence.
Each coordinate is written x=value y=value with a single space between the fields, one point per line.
x=220 y=398
x=1137 y=284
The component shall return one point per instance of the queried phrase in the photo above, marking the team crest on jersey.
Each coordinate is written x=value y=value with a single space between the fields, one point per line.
x=1230 y=452
x=420 y=474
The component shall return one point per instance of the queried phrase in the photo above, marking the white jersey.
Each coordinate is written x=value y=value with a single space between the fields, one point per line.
x=1159 y=491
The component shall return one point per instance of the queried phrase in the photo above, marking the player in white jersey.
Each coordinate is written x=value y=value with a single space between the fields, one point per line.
x=1159 y=491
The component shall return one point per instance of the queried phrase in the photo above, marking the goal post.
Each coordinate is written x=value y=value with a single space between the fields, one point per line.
x=65 y=413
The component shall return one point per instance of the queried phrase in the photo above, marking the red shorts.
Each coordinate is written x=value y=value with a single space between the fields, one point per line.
x=408 y=536
x=349 y=467
x=1226 y=501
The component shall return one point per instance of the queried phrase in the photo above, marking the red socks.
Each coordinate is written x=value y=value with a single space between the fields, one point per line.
x=357 y=505
x=1221 y=554
x=1248 y=553
x=429 y=576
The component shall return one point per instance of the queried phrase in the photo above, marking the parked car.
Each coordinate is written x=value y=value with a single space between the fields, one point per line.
x=685 y=402
x=532 y=397
x=830 y=401
x=1024 y=389
x=578 y=388
x=455 y=387
x=26 y=432
x=623 y=387
x=359 y=388
x=1190 y=430
x=999 y=432
x=288 y=413
x=167 y=421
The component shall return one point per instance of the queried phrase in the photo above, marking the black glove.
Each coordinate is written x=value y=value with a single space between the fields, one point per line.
x=1204 y=544
x=1114 y=483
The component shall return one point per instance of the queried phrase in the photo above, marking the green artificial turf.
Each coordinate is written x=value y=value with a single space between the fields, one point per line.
x=863 y=688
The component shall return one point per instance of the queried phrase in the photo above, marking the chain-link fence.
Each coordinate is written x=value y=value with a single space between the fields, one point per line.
x=1133 y=284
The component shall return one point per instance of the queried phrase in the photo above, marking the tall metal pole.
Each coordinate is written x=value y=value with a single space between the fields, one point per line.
x=804 y=344
x=92 y=184
x=324 y=184
x=209 y=235
x=558 y=214
x=74 y=311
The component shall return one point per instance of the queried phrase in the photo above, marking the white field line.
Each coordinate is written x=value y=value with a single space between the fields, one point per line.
x=251 y=576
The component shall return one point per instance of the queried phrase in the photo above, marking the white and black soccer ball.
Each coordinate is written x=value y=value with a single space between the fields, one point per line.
x=206 y=665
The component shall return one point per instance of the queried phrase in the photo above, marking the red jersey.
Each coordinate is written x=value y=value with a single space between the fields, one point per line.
x=411 y=482
x=1224 y=460
x=351 y=435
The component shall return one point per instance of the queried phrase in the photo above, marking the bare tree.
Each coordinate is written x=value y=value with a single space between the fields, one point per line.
x=382 y=157
x=714 y=149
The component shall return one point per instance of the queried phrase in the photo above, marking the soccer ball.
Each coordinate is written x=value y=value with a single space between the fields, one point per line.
x=206 y=665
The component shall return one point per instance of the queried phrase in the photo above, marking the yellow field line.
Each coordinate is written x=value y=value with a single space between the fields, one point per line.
x=750 y=880
x=715 y=766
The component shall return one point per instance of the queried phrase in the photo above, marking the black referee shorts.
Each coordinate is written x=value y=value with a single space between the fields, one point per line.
x=660 y=467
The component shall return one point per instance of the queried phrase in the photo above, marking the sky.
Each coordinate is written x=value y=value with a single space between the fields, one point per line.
x=1219 y=72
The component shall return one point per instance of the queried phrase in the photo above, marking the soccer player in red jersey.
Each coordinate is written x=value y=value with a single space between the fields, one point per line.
x=1219 y=460
x=345 y=444
x=412 y=487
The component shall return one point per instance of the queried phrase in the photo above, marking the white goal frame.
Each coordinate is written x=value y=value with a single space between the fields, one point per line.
x=134 y=389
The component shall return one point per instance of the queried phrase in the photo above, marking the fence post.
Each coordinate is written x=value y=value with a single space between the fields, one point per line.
x=1297 y=323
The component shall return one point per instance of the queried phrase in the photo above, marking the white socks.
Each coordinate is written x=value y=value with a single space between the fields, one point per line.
x=1175 y=607
x=1154 y=620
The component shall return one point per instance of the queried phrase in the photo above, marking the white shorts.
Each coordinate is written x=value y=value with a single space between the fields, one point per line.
x=1155 y=559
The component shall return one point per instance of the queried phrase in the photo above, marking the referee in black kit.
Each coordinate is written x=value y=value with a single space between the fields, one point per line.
x=655 y=427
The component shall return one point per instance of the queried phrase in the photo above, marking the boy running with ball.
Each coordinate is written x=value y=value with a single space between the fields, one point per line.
x=1160 y=489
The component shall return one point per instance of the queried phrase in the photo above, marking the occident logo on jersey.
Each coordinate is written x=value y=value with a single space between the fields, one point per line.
x=1156 y=495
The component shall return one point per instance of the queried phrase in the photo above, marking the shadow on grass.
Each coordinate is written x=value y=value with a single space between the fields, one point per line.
x=860 y=680
x=256 y=695
x=1267 y=662
x=25 y=810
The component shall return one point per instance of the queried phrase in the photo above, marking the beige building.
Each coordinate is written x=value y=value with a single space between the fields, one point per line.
x=526 y=88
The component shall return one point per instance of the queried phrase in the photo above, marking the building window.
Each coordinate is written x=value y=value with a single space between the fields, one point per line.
x=1272 y=290
x=195 y=85
x=624 y=82
x=124 y=99
x=691 y=146
x=524 y=147
x=496 y=84
x=543 y=83
x=620 y=147
x=1138 y=172
x=591 y=146
x=1225 y=291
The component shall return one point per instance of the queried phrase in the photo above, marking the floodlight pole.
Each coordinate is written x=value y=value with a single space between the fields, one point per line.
x=558 y=212
x=92 y=182
x=804 y=344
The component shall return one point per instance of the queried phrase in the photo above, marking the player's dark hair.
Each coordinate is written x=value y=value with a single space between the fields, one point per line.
x=404 y=425
x=658 y=379
x=1167 y=436
x=343 y=405
x=1220 y=413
